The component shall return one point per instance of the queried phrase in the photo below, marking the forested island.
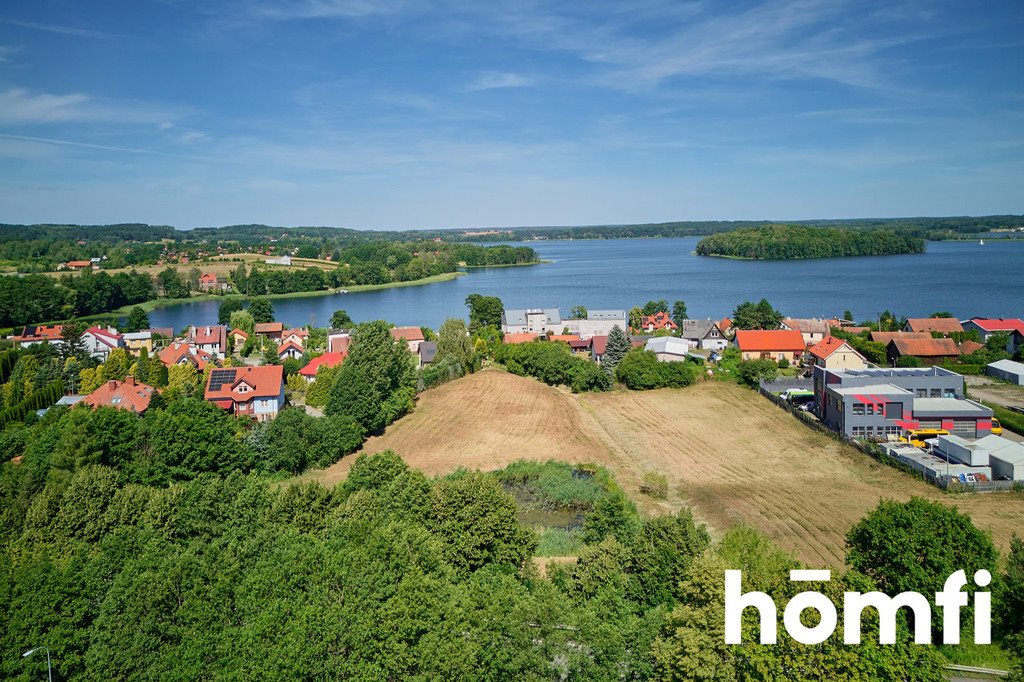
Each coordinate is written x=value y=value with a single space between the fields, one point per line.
x=792 y=242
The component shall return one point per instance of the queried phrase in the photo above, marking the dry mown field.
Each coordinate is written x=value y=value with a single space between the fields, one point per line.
x=728 y=453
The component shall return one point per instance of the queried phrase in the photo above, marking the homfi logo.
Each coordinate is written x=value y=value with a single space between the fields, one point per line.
x=951 y=599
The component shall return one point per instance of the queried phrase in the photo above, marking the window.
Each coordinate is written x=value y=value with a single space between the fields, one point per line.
x=871 y=408
x=858 y=431
x=936 y=392
x=893 y=410
x=921 y=393
x=858 y=408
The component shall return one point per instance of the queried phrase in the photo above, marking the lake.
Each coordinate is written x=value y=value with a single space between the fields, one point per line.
x=964 y=278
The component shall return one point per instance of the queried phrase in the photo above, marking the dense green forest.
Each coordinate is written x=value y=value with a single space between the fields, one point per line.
x=787 y=242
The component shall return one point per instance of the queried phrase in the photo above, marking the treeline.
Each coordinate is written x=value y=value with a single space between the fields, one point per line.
x=786 y=242
x=31 y=299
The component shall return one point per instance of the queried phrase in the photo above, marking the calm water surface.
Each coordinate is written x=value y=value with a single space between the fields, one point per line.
x=965 y=278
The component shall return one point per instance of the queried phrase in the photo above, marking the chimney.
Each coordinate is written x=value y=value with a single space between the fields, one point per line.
x=112 y=384
x=129 y=380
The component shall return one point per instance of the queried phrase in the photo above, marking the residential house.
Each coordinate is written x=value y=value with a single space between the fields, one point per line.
x=413 y=337
x=161 y=335
x=812 y=329
x=327 y=360
x=289 y=349
x=180 y=352
x=39 y=333
x=772 y=344
x=725 y=324
x=835 y=353
x=531 y=320
x=855 y=330
x=78 y=264
x=660 y=320
x=929 y=351
x=256 y=392
x=1007 y=370
x=942 y=325
x=269 y=331
x=986 y=327
x=338 y=340
x=564 y=338
x=885 y=337
x=128 y=395
x=519 y=337
x=238 y=338
x=213 y=338
x=209 y=282
x=598 y=347
x=598 y=323
x=99 y=342
x=1016 y=341
x=669 y=348
x=427 y=353
x=299 y=336
x=136 y=341
x=704 y=334
x=967 y=347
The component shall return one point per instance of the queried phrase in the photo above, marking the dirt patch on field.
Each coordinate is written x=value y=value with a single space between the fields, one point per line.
x=728 y=453
x=996 y=392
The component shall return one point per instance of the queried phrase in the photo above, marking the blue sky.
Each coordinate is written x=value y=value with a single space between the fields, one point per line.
x=393 y=113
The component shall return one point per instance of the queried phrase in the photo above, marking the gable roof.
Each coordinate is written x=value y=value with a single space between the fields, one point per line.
x=659 y=320
x=697 y=329
x=301 y=333
x=967 y=347
x=107 y=338
x=925 y=348
x=175 y=352
x=829 y=345
x=407 y=333
x=40 y=332
x=855 y=330
x=598 y=344
x=327 y=360
x=944 y=325
x=770 y=340
x=724 y=323
x=565 y=338
x=240 y=332
x=521 y=337
x=517 y=317
x=268 y=327
x=809 y=325
x=667 y=344
x=124 y=395
x=999 y=324
x=886 y=337
x=266 y=382
x=208 y=277
x=289 y=345
x=211 y=333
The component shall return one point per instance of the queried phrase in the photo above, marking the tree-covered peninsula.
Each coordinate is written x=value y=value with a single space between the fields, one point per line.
x=790 y=242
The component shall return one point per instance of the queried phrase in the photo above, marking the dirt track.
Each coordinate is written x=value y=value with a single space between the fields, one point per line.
x=728 y=453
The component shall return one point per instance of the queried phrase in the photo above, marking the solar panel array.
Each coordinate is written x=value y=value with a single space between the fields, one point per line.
x=220 y=377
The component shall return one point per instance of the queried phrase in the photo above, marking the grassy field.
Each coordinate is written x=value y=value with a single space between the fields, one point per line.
x=728 y=453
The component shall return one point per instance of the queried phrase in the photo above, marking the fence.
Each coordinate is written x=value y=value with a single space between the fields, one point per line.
x=875 y=451
x=784 y=383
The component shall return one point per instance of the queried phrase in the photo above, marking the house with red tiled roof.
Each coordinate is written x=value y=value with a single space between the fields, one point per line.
x=338 y=340
x=180 y=352
x=299 y=336
x=208 y=282
x=39 y=333
x=212 y=338
x=928 y=351
x=812 y=329
x=326 y=360
x=413 y=336
x=256 y=392
x=772 y=344
x=942 y=325
x=124 y=395
x=598 y=347
x=967 y=347
x=99 y=341
x=725 y=324
x=239 y=337
x=660 y=320
x=564 y=338
x=986 y=326
x=835 y=353
x=290 y=349
x=519 y=337
x=78 y=264
x=856 y=330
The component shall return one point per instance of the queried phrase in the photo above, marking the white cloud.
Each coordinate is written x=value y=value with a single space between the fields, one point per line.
x=63 y=30
x=321 y=9
x=18 y=106
x=494 y=79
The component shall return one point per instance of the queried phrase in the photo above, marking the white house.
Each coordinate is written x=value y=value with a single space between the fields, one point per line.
x=598 y=323
x=99 y=342
x=669 y=348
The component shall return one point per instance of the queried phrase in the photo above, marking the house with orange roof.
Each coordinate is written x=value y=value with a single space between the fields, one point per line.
x=180 y=352
x=299 y=336
x=942 y=325
x=212 y=338
x=256 y=392
x=770 y=344
x=725 y=324
x=835 y=353
x=326 y=360
x=564 y=338
x=519 y=337
x=269 y=330
x=929 y=351
x=413 y=336
x=39 y=333
x=290 y=350
x=660 y=320
x=78 y=264
x=209 y=282
x=886 y=337
x=239 y=337
x=128 y=395
x=338 y=340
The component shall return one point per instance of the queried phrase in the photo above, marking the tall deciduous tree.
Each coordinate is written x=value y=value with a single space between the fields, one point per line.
x=484 y=311
x=340 y=320
x=137 y=320
x=261 y=310
x=228 y=307
x=760 y=315
x=655 y=307
x=453 y=342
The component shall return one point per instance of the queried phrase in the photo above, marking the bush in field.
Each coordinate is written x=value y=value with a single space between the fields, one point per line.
x=552 y=363
x=294 y=441
x=640 y=370
x=751 y=372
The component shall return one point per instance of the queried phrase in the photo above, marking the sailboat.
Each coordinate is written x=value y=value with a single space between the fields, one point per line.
x=981 y=242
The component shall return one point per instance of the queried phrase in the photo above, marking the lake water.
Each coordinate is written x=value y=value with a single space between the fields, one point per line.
x=964 y=278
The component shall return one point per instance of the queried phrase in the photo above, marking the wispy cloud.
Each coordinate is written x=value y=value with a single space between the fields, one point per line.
x=19 y=106
x=63 y=30
x=89 y=145
x=321 y=9
x=494 y=79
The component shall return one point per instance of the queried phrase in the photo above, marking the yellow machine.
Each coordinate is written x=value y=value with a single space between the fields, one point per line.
x=997 y=428
x=917 y=437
